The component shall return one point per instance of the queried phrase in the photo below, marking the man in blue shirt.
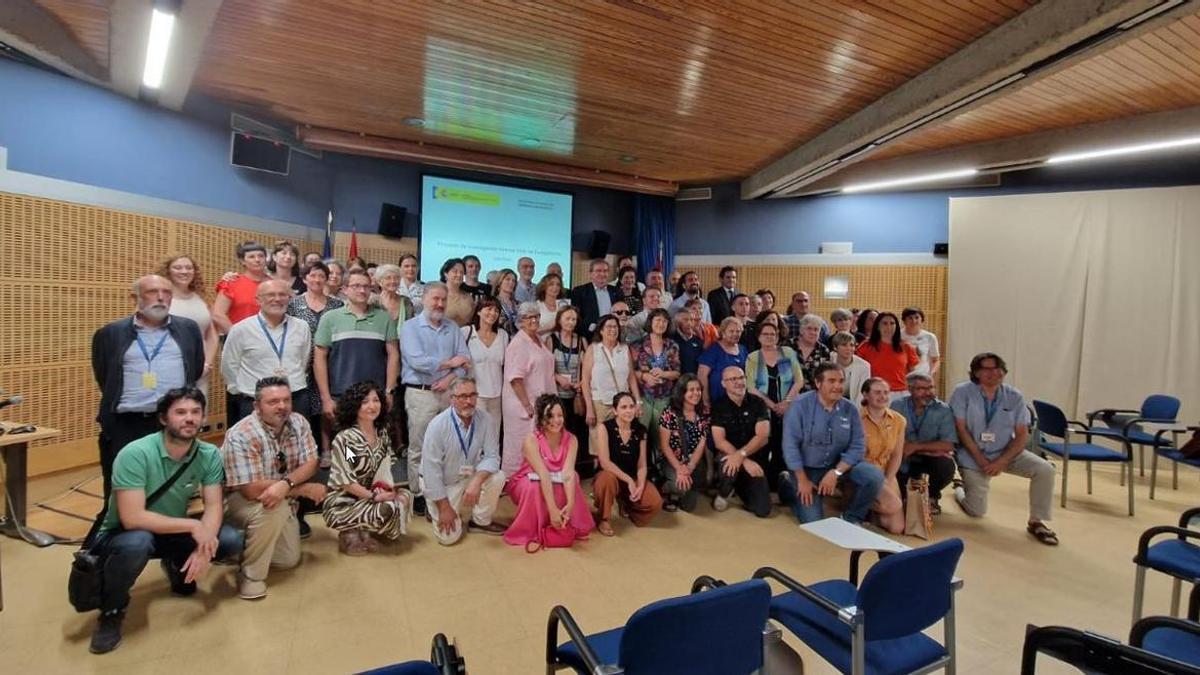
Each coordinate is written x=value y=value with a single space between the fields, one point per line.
x=993 y=424
x=929 y=438
x=824 y=444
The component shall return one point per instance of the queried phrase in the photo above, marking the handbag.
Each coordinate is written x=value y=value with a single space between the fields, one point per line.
x=918 y=519
x=85 y=585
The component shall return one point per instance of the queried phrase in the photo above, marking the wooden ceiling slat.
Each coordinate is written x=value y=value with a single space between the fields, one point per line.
x=87 y=20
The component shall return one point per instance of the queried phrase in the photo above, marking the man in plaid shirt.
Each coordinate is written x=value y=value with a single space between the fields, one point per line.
x=268 y=457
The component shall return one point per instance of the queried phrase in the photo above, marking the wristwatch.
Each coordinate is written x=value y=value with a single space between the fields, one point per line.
x=289 y=481
x=837 y=473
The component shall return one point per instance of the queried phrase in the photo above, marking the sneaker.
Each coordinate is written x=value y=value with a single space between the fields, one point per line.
x=720 y=503
x=175 y=576
x=671 y=505
x=248 y=589
x=418 y=506
x=107 y=634
x=305 y=529
x=492 y=528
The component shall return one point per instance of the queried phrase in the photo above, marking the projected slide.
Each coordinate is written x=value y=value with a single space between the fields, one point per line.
x=496 y=223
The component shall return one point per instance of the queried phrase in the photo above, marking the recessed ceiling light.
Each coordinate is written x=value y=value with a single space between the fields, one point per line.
x=530 y=142
x=162 y=25
x=1124 y=150
x=628 y=158
x=911 y=180
x=413 y=122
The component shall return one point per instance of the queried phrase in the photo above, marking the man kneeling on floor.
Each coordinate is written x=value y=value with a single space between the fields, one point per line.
x=146 y=515
x=460 y=475
x=268 y=457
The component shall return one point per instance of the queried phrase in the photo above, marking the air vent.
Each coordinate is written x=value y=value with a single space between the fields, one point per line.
x=693 y=194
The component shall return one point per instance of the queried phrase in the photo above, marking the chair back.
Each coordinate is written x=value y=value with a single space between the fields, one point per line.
x=1052 y=421
x=1160 y=407
x=717 y=632
x=908 y=592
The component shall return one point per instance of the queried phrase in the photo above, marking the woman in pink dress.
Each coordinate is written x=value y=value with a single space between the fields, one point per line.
x=546 y=488
x=528 y=373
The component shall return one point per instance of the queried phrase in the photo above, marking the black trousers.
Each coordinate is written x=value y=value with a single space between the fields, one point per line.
x=940 y=470
x=753 y=491
x=126 y=428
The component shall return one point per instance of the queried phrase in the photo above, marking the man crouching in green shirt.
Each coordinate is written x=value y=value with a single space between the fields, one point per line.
x=143 y=522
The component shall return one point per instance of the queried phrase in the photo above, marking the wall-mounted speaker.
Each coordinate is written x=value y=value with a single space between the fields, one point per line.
x=941 y=248
x=391 y=220
x=598 y=246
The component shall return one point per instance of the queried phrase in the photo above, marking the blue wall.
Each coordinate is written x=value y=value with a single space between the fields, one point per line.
x=902 y=222
x=62 y=128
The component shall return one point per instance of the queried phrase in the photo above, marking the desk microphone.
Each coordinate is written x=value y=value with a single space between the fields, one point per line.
x=11 y=400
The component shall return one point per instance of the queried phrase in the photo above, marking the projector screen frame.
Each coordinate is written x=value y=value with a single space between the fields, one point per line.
x=566 y=264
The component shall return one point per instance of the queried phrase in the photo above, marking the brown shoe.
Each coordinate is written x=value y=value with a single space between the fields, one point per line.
x=350 y=543
x=492 y=528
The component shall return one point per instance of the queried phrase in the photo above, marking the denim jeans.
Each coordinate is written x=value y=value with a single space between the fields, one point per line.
x=126 y=553
x=867 y=478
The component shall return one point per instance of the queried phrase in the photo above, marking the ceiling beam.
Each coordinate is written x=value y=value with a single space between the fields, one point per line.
x=1037 y=34
x=128 y=35
x=32 y=30
x=1018 y=152
x=192 y=26
x=334 y=140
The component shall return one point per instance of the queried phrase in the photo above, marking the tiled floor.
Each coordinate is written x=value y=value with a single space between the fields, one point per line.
x=337 y=614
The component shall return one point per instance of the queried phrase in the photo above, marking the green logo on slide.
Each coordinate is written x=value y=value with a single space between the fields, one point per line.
x=475 y=197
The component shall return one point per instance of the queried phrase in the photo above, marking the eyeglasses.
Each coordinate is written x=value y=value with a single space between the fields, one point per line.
x=281 y=462
x=622 y=312
x=360 y=287
x=738 y=378
x=466 y=397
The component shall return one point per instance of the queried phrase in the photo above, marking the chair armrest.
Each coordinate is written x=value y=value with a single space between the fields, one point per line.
x=820 y=601
x=560 y=614
x=1186 y=516
x=706 y=583
x=1081 y=424
x=1144 y=540
x=445 y=656
x=1144 y=626
x=1091 y=417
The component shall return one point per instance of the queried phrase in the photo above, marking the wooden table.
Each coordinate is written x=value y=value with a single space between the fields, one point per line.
x=15 y=450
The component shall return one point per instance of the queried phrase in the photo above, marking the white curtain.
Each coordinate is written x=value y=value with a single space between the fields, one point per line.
x=1093 y=298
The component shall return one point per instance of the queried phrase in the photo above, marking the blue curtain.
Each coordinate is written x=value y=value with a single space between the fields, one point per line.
x=654 y=233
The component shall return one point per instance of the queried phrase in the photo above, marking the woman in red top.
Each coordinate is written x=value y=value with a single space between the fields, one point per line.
x=238 y=297
x=890 y=359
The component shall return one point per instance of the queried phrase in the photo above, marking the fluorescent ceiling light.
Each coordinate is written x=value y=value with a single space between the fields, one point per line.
x=162 y=25
x=1124 y=150
x=912 y=180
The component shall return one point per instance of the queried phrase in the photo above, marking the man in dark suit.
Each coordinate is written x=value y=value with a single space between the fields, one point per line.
x=720 y=299
x=594 y=300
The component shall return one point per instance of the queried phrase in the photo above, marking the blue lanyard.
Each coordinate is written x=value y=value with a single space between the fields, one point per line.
x=989 y=409
x=158 y=348
x=464 y=444
x=918 y=421
x=278 y=349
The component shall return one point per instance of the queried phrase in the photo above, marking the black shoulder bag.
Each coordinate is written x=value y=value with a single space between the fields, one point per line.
x=85 y=586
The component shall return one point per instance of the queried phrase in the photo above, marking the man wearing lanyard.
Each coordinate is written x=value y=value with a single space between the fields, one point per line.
x=270 y=344
x=138 y=359
x=460 y=477
x=993 y=425
x=928 y=439
x=824 y=445
x=433 y=352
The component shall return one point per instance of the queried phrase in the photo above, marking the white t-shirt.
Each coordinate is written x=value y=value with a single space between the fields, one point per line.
x=926 y=344
x=488 y=368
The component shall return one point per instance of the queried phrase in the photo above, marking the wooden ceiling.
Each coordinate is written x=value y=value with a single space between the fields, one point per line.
x=691 y=91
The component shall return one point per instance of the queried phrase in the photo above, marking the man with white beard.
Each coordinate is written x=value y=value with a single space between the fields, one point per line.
x=138 y=359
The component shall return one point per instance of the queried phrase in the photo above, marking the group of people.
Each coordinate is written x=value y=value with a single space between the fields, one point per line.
x=367 y=395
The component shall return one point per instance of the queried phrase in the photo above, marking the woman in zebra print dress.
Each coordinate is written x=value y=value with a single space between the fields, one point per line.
x=363 y=503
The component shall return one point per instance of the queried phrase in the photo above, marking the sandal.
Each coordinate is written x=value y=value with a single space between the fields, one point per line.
x=369 y=542
x=605 y=528
x=1042 y=533
x=350 y=543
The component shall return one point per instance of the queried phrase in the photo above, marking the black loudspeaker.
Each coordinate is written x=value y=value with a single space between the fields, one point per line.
x=391 y=220
x=252 y=152
x=598 y=246
x=941 y=248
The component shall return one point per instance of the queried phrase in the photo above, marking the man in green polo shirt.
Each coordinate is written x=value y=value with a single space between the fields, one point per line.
x=133 y=532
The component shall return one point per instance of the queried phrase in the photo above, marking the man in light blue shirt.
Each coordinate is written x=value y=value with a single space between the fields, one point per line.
x=526 y=290
x=691 y=289
x=929 y=438
x=432 y=353
x=460 y=474
x=824 y=444
x=993 y=424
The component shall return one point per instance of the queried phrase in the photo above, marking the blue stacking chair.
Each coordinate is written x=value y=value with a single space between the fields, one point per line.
x=1053 y=422
x=715 y=632
x=877 y=627
x=1173 y=638
x=1097 y=654
x=1169 y=450
x=444 y=660
x=1177 y=557
x=1156 y=409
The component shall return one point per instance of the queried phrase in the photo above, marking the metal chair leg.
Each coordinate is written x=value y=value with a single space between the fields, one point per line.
x=1174 y=475
x=1141 y=460
x=1130 y=469
x=858 y=650
x=1176 y=586
x=1066 y=463
x=951 y=638
x=1153 y=473
x=1089 y=473
x=1139 y=590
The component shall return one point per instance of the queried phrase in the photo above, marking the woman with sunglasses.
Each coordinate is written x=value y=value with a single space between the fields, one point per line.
x=363 y=503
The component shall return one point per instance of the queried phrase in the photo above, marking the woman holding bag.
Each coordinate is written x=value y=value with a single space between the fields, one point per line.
x=552 y=510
